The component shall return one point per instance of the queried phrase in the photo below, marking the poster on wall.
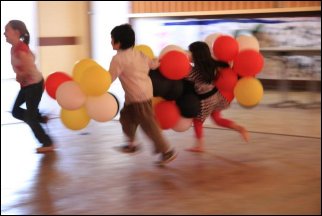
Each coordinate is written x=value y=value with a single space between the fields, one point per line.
x=271 y=33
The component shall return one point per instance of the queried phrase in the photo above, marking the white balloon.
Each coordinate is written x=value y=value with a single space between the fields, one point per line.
x=170 y=48
x=70 y=96
x=210 y=40
x=102 y=108
x=247 y=42
x=183 y=124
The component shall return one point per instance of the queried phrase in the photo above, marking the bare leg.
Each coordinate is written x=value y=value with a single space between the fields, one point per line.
x=199 y=146
x=243 y=132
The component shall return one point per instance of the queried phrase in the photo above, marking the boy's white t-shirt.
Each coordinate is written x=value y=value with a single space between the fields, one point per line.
x=132 y=68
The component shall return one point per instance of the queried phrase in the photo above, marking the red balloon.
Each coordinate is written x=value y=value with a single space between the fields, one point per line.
x=167 y=114
x=54 y=80
x=228 y=95
x=175 y=65
x=225 y=48
x=226 y=80
x=248 y=63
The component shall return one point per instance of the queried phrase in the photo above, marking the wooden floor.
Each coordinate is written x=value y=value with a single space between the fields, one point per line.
x=277 y=172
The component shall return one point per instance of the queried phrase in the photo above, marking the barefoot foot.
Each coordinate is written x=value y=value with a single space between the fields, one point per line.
x=195 y=149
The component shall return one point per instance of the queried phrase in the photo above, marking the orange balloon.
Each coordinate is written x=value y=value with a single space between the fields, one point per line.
x=248 y=91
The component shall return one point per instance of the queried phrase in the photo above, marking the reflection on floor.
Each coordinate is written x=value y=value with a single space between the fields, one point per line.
x=277 y=172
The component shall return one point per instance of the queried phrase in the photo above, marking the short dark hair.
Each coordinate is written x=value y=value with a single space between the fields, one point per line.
x=123 y=34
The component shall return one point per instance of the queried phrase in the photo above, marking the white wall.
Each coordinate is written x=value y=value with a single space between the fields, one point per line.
x=105 y=15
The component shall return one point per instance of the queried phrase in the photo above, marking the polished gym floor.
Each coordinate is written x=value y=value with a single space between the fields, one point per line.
x=277 y=172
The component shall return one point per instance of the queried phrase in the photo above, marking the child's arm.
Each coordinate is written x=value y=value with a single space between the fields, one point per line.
x=115 y=68
x=154 y=63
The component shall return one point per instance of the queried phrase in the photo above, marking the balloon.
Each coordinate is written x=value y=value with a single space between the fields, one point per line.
x=210 y=40
x=175 y=91
x=225 y=48
x=70 y=96
x=161 y=85
x=183 y=124
x=170 y=48
x=146 y=50
x=248 y=91
x=175 y=65
x=247 y=42
x=102 y=108
x=228 y=95
x=74 y=119
x=189 y=105
x=156 y=100
x=54 y=80
x=95 y=81
x=226 y=80
x=248 y=63
x=167 y=114
x=80 y=67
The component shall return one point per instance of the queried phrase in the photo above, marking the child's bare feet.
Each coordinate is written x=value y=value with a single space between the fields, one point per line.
x=195 y=149
x=199 y=146
x=244 y=133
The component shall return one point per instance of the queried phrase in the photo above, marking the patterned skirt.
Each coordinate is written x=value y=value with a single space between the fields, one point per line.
x=216 y=102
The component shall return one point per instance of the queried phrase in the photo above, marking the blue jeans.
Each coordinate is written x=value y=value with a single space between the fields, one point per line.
x=31 y=95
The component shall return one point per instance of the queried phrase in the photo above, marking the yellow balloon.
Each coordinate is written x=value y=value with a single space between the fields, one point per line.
x=80 y=67
x=95 y=81
x=74 y=119
x=145 y=50
x=248 y=91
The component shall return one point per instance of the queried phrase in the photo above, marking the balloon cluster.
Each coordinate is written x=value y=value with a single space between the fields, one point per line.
x=168 y=86
x=176 y=101
x=173 y=104
x=83 y=96
x=243 y=55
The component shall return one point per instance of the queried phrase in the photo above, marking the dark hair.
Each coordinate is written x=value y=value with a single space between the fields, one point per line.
x=21 y=27
x=204 y=62
x=125 y=35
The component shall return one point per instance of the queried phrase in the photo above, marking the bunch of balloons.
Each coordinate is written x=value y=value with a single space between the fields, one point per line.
x=243 y=55
x=170 y=102
x=83 y=96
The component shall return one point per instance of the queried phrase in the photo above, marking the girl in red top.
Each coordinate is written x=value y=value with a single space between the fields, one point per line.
x=212 y=101
x=31 y=82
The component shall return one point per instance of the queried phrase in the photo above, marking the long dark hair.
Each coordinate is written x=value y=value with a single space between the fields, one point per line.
x=21 y=27
x=204 y=62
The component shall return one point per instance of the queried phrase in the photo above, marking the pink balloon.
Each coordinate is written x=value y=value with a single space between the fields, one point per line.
x=170 y=48
x=183 y=124
x=54 y=80
x=70 y=96
x=102 y=108
x=247 y=42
